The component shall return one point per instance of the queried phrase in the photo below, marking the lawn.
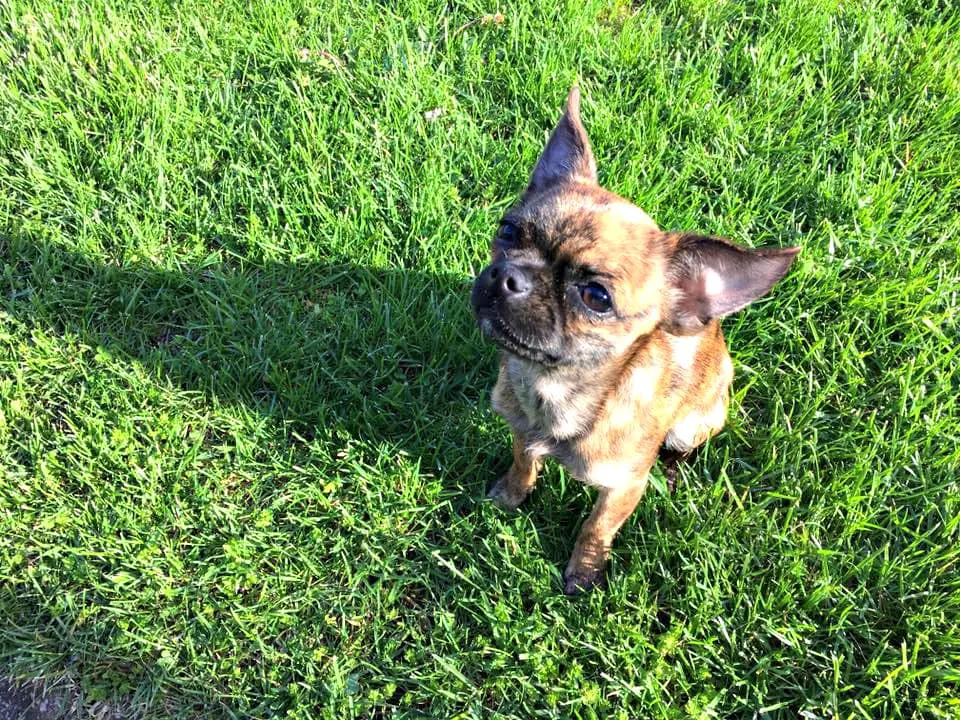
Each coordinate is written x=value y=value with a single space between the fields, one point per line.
x=244 y=421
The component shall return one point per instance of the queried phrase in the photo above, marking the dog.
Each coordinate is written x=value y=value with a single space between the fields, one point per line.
x=611 y=347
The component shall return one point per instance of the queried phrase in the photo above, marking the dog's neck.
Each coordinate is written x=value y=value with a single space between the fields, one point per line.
x=558 y=402
x=563 y=402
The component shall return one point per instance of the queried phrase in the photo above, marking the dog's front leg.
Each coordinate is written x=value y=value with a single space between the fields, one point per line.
x=612 y=508
x=513 y=488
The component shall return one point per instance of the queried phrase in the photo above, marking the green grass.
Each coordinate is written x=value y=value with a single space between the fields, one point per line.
x=244 y=423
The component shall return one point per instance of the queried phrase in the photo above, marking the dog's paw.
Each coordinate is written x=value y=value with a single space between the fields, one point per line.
x=583 y=580
x=506 y=495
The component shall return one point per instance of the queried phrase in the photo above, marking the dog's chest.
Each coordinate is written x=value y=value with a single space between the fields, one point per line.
x=556 y=403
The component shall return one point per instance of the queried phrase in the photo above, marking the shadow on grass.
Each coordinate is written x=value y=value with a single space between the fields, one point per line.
x=391 y=356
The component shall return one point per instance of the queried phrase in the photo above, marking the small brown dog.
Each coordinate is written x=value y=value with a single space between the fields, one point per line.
x=611 y=345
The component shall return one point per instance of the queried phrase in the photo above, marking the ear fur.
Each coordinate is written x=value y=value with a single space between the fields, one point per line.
x=567 y=156
x=710 y=278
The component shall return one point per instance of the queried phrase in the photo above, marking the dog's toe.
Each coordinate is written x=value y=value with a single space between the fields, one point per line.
x=578 y=583
x=504 y=496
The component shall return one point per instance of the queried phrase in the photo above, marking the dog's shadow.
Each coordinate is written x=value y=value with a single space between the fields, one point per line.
x=378 y=353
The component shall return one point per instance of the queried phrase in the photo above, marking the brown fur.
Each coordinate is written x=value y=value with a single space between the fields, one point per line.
x=603 y=392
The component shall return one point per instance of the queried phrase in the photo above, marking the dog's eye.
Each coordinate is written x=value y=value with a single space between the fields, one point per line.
x=596 y=297
x=507 y=235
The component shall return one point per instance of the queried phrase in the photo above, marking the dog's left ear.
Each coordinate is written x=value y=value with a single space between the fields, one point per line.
x=710 y=278
x=567 y=156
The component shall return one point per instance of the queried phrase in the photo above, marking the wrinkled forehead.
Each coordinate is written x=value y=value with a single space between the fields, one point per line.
x=591 y=227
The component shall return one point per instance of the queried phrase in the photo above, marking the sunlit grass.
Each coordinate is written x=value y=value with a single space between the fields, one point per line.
x=244 y=424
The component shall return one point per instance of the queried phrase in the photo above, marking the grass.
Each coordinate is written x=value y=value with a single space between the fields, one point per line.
x=244 y=430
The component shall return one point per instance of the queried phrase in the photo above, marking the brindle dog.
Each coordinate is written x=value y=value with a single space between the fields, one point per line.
x=611 y=344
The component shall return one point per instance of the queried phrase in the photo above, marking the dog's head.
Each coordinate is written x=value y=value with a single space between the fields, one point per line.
x=578 y=274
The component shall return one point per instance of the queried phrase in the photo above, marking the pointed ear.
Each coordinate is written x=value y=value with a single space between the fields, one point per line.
x=568 y=155
x=710 y=278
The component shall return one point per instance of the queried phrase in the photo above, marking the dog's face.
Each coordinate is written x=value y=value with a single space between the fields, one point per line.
x=578 y=274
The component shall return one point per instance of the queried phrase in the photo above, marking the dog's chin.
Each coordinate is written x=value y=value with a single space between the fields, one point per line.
x=496 y=330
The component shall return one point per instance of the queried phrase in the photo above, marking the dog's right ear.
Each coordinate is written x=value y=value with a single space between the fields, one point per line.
x=567 y=156
x=710 y=278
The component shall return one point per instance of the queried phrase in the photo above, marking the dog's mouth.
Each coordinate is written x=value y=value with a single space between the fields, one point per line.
x=497 y=330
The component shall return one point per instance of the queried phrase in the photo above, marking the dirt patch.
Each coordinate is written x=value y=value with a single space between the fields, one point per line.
x=33 y=700
x=26 y=701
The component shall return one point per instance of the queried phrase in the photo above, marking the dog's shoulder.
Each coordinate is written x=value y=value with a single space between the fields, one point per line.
x=665 y=378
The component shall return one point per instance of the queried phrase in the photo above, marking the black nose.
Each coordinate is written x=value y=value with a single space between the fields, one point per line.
x=511 y=279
